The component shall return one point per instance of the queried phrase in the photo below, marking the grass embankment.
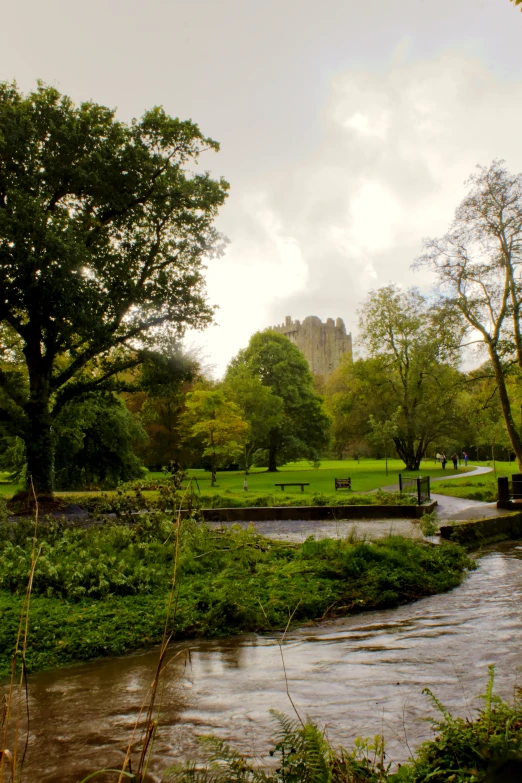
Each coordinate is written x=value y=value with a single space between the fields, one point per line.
x=482 y=487
x=104 y=591
x=107 y=502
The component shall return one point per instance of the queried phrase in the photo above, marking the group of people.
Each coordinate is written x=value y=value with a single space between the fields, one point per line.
x=441 y=457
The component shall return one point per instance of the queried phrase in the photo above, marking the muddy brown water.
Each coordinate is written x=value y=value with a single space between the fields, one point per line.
x=360 y=676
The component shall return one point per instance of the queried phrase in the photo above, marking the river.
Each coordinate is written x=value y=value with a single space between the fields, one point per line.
x=360 y=676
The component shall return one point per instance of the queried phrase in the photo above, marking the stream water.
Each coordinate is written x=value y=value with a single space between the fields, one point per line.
x=360 y=676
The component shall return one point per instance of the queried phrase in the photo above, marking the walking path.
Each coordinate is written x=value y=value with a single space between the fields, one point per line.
x=444 y=477
x=449 y=507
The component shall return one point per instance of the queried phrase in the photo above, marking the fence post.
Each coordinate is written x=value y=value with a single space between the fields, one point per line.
x=418 y=491
x=429 y=488
x=503 y=489
x=516 y=483
x=400 y=483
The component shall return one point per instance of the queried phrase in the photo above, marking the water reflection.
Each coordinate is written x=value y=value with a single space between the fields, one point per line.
x=359 y=675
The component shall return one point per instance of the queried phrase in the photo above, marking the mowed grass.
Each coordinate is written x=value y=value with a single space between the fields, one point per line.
x=482 y=487
x=366 y=475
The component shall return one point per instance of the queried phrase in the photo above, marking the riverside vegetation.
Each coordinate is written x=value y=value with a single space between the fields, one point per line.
x=104 y=590
x=486 y=748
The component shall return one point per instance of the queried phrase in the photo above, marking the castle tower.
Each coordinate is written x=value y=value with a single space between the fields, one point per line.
x=323 y=344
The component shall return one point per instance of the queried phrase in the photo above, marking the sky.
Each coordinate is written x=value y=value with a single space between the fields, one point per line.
x=347 y=129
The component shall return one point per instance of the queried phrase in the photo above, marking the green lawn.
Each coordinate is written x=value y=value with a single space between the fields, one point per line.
x=366 y=475
x=477 y=487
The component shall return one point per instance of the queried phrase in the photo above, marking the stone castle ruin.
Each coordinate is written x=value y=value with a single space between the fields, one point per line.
x=323 y=344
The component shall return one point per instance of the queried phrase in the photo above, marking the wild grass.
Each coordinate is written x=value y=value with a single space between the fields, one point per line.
x=107 y=590
x=138 y=499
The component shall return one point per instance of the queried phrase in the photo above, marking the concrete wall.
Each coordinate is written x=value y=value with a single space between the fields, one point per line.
x=481 y=531
x=319 y=513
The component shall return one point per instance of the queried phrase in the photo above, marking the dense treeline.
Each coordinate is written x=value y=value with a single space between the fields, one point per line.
x=406 y=397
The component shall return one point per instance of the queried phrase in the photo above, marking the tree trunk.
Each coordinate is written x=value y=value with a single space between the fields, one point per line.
x=406 y=452
x=39 y=446
x=513 y=433
x=272 y=455
x=273 y=448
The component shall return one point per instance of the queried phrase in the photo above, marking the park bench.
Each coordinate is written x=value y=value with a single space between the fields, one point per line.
x=301 y=484
x=343 y=483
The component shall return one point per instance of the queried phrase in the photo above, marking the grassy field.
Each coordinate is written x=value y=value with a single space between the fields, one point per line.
x=366 y=475
x=482 y=487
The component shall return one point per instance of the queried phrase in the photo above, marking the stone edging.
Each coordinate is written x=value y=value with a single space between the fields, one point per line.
x=481 y=531
x=318 y=513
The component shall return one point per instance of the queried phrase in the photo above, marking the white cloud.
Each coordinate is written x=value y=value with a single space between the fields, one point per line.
x=390 y=169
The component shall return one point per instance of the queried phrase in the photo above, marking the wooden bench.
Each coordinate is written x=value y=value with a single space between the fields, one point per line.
x=343 y=483
x=292 y=484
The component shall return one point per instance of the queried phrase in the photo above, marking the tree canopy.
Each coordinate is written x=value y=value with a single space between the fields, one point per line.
x=217 y=424
x=104 y=228
x=302 y=430
x=478 y=263
x=409 y=376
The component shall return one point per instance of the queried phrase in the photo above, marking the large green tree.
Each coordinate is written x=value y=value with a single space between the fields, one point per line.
x=478 y=263
x=103 y=230
x=410 y=375
x=260 y=407
x=216 y=423
x=303 y=428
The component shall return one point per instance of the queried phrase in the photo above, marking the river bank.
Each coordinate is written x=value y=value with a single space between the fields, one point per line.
x=359 y=675
x=104 y=591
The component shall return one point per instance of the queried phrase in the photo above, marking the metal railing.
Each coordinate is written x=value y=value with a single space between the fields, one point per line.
x=415 y=485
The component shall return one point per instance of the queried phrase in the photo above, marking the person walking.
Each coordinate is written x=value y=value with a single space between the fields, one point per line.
x=437 y=456
x=455 y=460
x=465 y=456
x=443 y=460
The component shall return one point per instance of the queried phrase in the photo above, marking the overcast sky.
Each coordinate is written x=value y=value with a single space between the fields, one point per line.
x=347 y=128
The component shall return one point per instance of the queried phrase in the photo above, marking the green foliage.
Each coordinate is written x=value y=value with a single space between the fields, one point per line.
x=430 y=523
x=487 y=748
x=105 y=503
x=103 y=231
x=302 y=429
x=260 y=407
x=477 y=264
x=94 y=437
x=467 y=751
x=104 y=590
x=409 y=378
x=217 y=423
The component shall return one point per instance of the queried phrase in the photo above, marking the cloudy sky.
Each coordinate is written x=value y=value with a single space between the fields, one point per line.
x=347 y=127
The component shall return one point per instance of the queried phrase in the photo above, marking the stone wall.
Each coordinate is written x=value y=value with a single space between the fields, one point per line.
x=323 y=344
